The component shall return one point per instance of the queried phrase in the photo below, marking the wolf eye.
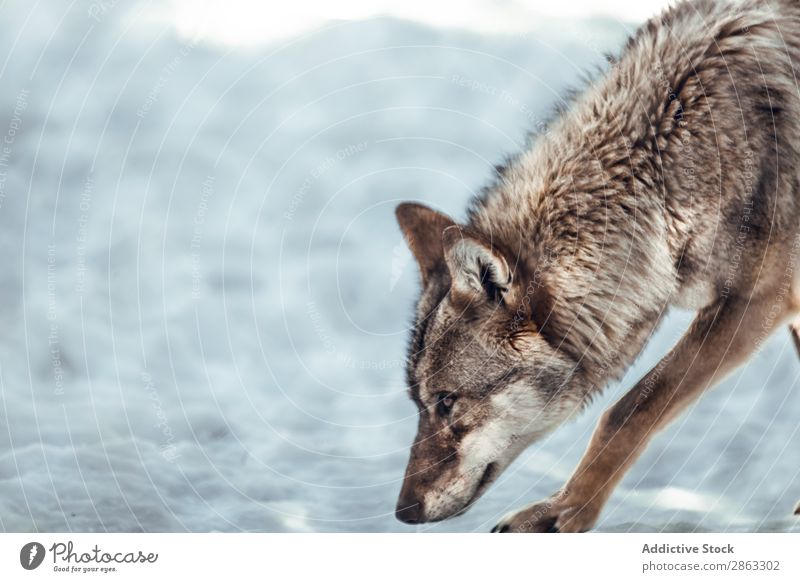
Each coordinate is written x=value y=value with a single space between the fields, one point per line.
x=444 y=403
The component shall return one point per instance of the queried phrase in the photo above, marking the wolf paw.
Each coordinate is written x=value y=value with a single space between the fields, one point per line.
x=554 y=515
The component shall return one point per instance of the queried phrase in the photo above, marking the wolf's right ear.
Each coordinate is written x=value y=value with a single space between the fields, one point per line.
x=422 y=228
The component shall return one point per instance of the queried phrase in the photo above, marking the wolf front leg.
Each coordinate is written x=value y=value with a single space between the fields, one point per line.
x=721 y=337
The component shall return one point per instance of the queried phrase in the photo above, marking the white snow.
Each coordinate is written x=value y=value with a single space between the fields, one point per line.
x=205 y=297
x=244 y=22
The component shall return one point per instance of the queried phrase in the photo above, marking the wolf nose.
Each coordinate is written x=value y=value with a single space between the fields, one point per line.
x=408 y=510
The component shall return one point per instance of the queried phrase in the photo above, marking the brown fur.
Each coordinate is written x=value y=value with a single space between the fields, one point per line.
x=672 y=180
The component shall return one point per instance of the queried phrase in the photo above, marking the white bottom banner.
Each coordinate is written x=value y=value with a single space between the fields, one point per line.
x=407 y=557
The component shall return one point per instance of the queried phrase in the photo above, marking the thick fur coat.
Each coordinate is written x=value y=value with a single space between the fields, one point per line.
x=673 y=179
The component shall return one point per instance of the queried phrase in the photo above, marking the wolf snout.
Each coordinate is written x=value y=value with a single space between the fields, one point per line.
x=409 y=509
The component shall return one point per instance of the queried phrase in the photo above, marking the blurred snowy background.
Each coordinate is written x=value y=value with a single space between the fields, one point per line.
x=205 y=296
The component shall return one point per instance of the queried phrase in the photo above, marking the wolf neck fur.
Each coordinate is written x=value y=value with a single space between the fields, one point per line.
x=581 y=216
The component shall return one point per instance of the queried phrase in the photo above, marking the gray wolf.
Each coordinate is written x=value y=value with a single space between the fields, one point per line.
x=673 y=179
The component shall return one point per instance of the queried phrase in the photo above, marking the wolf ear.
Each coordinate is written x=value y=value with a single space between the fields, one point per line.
x=475 y=267
x=423 y=229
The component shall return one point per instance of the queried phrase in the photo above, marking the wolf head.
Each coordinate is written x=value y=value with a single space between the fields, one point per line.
x=486 y=382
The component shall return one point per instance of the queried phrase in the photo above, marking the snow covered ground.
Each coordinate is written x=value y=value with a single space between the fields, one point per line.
x=204 y=297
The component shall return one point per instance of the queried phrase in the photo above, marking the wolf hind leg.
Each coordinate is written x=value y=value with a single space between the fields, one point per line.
x=794 y=329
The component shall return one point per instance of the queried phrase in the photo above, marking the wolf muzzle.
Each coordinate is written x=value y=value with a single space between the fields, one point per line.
x=409 y=507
